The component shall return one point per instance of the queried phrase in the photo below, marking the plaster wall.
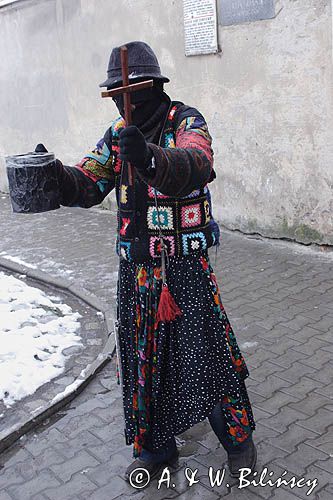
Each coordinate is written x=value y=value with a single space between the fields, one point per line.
x=267 y=98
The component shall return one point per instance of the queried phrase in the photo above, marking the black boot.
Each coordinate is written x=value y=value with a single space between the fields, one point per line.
x=153 y=468
x=244 y=459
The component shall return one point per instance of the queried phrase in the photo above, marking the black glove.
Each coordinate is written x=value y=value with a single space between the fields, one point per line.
x=134 y=148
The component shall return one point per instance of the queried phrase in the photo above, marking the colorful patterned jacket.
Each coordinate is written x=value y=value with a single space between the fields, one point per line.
x=173 y=195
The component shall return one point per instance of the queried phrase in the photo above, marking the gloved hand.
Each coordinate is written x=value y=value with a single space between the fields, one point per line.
x=40 y=148
x=134 y=148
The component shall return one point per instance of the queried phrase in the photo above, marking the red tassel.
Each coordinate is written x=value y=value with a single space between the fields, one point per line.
x=167 y=307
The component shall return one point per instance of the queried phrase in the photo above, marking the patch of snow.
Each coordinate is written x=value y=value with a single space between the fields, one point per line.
x=17 y=260
x=56 y=267
x=34 y=331
x=69 y=389
x=247 y=345
x=100 y=314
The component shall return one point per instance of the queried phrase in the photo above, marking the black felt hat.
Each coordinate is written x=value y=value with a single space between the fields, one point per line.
x=142 y=62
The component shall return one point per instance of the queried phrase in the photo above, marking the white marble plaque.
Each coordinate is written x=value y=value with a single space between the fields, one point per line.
x=242 y=11
x=200 y=25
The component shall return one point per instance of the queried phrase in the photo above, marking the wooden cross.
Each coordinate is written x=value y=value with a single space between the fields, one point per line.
x=126 y=90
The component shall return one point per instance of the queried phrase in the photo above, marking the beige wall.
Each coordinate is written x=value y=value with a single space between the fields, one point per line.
x=267 y=98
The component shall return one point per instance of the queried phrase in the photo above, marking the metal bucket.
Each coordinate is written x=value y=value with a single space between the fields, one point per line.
x=33 y=182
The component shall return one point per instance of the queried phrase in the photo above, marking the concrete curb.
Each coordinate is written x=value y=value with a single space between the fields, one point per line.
x=9 y=436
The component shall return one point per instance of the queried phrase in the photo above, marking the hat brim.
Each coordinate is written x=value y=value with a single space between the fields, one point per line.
x=114 y=82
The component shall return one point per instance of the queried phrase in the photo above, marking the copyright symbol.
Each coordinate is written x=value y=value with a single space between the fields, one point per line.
x=139 y=478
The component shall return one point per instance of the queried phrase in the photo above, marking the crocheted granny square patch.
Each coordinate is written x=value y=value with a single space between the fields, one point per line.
x=124 y=225
x=193 y=241
x=165 y=219
x=207 y=211
x=151 y=191
x=155 y=245
x=191 y=215
x=123 y=194
x=125 y=250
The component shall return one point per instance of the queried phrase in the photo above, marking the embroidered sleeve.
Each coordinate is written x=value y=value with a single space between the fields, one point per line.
x=90 y=181
x=188 y=166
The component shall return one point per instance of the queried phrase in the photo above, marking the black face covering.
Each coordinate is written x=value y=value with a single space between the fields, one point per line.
x=145 y=103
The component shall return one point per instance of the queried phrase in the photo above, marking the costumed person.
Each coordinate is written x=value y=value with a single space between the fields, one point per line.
x=179 y=359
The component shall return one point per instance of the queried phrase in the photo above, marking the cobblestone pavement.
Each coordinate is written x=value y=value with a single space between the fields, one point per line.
x=278 y=297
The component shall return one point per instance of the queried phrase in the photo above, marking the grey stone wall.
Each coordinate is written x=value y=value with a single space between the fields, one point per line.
x=267 y=98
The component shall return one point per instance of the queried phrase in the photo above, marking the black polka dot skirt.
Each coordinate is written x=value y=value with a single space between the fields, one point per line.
x=174 y=373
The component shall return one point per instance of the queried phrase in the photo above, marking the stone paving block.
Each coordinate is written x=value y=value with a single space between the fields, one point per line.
x=324 y=373
x=180 y=484
x=262 y=433
x=311 y=404
x=311 y=346
x=275 y=473
x=267 y=452
x=292 y=437
x=102 y=474
x=324 y=477
x=9 y=476
x=210 y=441
x=36 y=485
x=305 y=334
x=81 y=461
x=324 y=442
x=216 y=458
x=191 y=448
x=13 y=456
x=48 y=457
x=112 y=490
x=73 y=426
x=274 y=404
x=280 y=494
x=214 y=480
x=326 y=390
x=283 y=419
x=258 y=357
x=259 y=414
x=324 y=325
x=92 y=405
x=267 y=388
x=39 y=496
x=316 y=313
x=255 y=398
x=78 y=486
x=298 y=322
x=197 y=492
x=324 y=494
x=296 y=372
x=319 y=422
x=288 y=359
x=298 y=461
x=277 y=333
x=267 y=368
x=302 y=388
x=243 y=494
x=4 y=496
x=109 y=414
x=278 y=347
x=104 y=452
x=327 y=464
x=107 y=435
x=83 y=440
x=40 y=442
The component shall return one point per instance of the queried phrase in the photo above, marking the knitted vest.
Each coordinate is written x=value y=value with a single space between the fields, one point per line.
x=186 y=223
